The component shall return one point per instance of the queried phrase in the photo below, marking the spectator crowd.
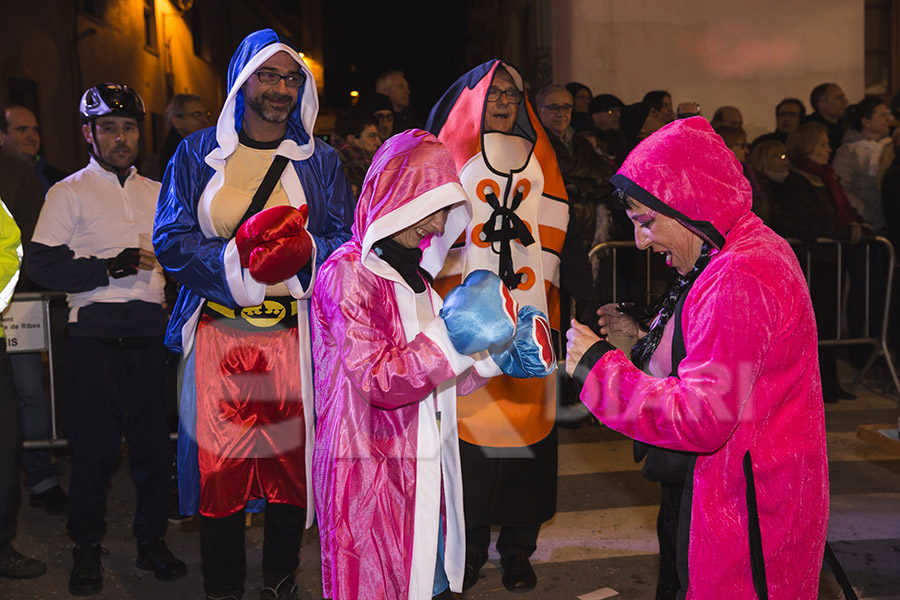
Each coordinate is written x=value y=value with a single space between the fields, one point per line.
x=276 y=300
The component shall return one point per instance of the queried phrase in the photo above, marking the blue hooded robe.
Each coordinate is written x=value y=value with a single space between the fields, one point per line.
x=208 y=266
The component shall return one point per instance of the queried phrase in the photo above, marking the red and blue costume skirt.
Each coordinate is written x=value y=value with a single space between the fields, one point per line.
x=248 y=412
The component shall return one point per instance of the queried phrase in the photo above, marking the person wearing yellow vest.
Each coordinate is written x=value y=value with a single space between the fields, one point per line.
x=12 y=563
x=520 y=231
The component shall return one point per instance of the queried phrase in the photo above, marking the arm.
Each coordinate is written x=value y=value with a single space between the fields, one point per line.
x=10 y=256
x=386 y=374
x=49 y=260
x=193 y=259
x=698 y=410
x=56 y=268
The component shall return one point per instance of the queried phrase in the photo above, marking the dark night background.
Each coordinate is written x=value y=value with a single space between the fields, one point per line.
x=424 y=40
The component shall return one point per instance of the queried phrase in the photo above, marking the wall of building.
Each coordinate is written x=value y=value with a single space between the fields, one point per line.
x=748 y=54
x=63 y=50
x=59 y=49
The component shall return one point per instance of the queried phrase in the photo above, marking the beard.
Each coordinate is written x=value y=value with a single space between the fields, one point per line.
x=112 y=156
x=269 y=113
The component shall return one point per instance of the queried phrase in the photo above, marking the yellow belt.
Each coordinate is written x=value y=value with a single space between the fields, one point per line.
x=272 y=314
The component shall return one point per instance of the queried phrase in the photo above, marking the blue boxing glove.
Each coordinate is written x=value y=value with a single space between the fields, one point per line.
x=531 y=352
x=480 y=313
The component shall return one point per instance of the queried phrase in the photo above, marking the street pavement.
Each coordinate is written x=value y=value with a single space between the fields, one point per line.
x=602 y=543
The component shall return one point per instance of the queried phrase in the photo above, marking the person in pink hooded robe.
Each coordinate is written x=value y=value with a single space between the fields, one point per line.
x=386 y=462
x=729 y=400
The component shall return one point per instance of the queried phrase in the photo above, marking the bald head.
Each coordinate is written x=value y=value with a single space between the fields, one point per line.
x=729 y=116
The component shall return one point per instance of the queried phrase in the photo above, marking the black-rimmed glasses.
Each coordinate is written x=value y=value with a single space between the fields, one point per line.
x=272 y=78
x=512 y=95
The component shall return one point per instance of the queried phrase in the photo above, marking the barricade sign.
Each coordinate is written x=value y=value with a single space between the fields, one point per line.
x=25 y=326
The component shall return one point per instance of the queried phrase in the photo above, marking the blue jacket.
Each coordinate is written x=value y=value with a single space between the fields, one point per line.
x=183 y=238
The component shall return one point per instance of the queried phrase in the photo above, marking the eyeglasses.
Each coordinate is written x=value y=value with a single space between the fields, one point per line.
x=555 y=108
x=512 y=95
x=272 y=78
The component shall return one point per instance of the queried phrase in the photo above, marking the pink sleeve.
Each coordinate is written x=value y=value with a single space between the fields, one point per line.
x=468 y=382
x=360 y=314
x=728 y=323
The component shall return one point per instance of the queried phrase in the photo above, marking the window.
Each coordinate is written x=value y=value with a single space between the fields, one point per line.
x=200 y=31
x=150 y=24
x=881 y=45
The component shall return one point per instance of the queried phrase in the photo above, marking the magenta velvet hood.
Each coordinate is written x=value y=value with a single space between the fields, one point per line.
x=678 y=169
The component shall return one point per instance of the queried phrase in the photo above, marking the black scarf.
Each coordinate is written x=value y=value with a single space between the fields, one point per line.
x=405 y=261
x=646 y=346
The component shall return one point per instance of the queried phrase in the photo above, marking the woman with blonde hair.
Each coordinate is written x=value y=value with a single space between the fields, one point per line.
x=814 y=196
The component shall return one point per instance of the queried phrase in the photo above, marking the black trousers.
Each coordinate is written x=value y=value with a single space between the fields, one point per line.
x=224 y=557
x=668 y=582
x=514 y=539
x=9 y=449
x=116 y=387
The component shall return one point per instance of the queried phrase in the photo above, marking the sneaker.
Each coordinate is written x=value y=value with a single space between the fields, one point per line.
x=18 y=566
x=155 y=556
x=86 y=578
x=285 y=590
x=54 y=500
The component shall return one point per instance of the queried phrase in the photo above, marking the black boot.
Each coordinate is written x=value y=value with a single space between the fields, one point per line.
x=155 y=556
x=86 y=578
x=475 y=559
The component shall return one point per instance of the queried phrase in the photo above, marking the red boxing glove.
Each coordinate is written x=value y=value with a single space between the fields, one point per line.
x=274 y=244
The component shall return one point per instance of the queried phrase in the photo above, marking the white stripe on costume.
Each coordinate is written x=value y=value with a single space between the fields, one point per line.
x=437 y=456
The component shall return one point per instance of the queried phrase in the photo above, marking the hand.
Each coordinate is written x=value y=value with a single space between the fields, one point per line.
x=621 y=330
x=148 y=260
x=274 y=244
x=579 y=339
x=480 y=313
x=531 y=352
x=688 y=109
x=125 y=263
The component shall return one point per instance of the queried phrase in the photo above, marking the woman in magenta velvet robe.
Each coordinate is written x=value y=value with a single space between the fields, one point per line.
x=386 y=463
x=724 y=387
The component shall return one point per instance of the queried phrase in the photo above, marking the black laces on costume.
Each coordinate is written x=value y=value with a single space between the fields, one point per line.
x=510 y=227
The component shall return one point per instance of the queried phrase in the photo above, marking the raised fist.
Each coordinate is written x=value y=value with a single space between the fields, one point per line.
x=274 y=244
x=480 y=313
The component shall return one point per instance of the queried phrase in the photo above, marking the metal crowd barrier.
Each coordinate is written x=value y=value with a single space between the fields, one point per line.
x=28 y=318
x=610 y=277
x=26 y=324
